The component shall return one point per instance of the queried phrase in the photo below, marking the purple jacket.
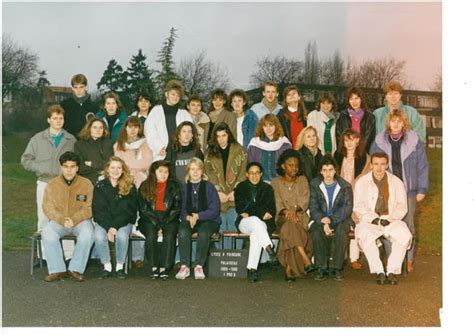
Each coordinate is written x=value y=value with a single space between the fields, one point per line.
x=414 y=160
x=213 y=209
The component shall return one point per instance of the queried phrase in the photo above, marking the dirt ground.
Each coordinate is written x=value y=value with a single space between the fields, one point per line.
x=139 y=301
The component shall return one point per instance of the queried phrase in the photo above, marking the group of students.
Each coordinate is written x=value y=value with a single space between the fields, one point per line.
x=166 y=173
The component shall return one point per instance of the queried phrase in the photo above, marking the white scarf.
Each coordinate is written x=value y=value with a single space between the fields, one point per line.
x=135 y=145
x=268 y=146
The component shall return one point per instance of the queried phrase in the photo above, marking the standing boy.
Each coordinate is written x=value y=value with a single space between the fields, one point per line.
x=269 y=103
x=79 y=107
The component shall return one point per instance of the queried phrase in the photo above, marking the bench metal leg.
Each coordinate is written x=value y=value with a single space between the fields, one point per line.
x=33 y=253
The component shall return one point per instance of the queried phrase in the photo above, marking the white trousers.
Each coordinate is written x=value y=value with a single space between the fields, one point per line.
x=396 y=232
x=259 y=238
x=68 y=245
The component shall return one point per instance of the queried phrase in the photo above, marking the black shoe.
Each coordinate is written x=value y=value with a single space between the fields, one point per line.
x=253 y=275
x=310 y=268
x=337 y=275
x=105 y=274
x=321 y=275
x=380 y=278
x=273 y=259
x=391 y=279
x=164 y=275
x=289 y=279
x=121 y=274
x=155 y=274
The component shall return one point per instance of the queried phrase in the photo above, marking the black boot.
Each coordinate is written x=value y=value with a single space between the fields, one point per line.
x=272 y=255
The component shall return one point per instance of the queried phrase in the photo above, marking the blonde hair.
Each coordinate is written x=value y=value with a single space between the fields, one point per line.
x=200 y=164
x=125 y=181
x=300 y=139
x=398 y=113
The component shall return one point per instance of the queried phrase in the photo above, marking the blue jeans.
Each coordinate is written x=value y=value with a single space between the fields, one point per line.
x=51 y=234
x=121 y=243
x=228 y=224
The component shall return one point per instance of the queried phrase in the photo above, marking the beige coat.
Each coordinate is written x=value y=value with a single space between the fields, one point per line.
x=235 y=173
x=73 y=201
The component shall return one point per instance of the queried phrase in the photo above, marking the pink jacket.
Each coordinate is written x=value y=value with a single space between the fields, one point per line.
x=138 y=157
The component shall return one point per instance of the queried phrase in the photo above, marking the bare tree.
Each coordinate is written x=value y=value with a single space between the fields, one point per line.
x=438 y=83
x=333 y=70
x=278 y=69
x=312 y=65
x=19 y=67
x=375 y=73
x=200 y=75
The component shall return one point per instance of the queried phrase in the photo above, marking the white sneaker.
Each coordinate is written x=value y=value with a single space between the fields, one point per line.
x=183 y=273
x=199 y=273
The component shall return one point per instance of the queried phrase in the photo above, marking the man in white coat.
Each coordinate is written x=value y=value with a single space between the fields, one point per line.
x=163 y=120
x=380 y=202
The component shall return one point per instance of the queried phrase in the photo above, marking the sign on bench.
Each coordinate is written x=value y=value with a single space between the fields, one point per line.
x=228 y=263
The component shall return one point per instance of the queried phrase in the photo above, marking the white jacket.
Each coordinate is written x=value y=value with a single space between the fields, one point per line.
x=317 y=119
x=155 y=129
x=365 y=198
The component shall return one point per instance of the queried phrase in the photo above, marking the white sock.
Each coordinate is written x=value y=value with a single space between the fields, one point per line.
x=154 y=268
x=108 y=267
x=118 y=267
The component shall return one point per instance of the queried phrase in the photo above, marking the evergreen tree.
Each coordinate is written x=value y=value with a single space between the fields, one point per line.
x=165 y=59
x=113 y=79
x=42 y=80
x=139 y=77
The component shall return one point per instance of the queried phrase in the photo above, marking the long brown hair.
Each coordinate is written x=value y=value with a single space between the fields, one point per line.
x=148 y=187
x=125 y=181
x=85 y=133
x=359 y=93
x=302 y=112
x=123 y=137
x=350 y=133
x=213 y=146
x=272 y=120
x=176 y=146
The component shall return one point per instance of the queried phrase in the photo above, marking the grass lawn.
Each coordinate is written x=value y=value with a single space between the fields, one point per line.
x=19 y=200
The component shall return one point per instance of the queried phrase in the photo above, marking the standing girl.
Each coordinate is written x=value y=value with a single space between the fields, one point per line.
x=94 y=149
x=358 y=117
x=293 y=115
x=267 y=146
x=225 y=166
x=112 y=115
x=324 y=120
x=185 y=146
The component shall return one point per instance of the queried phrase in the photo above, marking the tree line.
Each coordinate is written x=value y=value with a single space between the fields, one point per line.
x=23 y=80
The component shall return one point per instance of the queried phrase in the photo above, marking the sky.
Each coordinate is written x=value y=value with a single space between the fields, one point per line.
x=75 y=38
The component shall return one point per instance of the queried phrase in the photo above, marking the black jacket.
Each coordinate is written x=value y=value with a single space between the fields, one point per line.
x=98 y=152
x=160 y=218
x=342 y=205
x=75 y=114
x=367 y=127
x=110 y=209
x=285 y=123
x=359 y=163
x=264 y=202
x=309 y=164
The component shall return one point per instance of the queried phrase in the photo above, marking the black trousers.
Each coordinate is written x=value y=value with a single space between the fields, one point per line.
x=204 y=229
x=321 y=245
x=160 y=254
